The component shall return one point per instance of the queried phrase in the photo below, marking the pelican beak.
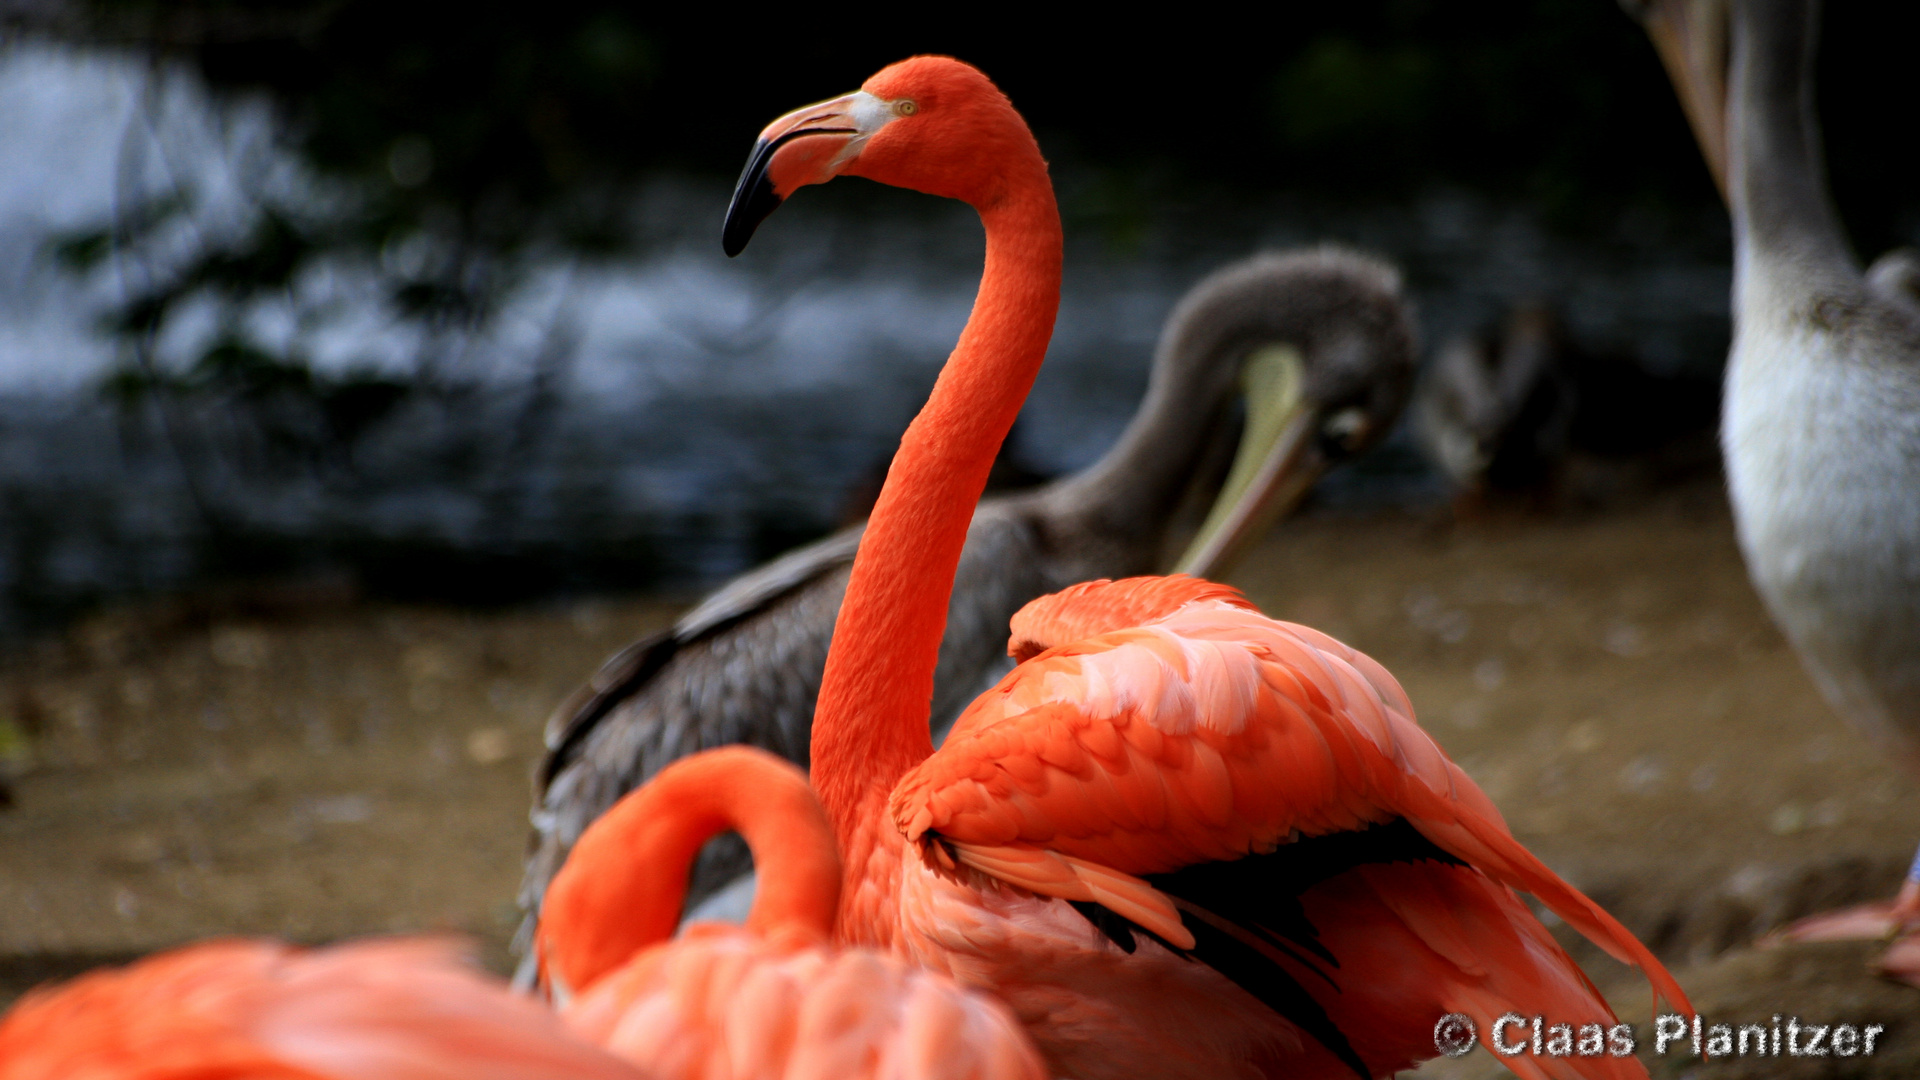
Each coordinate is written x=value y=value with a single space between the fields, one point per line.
x=806 y=146
x=1276 y=465
x=1691 y=37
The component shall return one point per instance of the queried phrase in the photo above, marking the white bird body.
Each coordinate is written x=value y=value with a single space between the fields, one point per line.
x=1821 y=428
x=1822 y=440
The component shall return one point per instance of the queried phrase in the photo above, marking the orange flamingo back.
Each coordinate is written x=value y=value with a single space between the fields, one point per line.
x=772 y=999
x=395 y=1009
x=1255 y=796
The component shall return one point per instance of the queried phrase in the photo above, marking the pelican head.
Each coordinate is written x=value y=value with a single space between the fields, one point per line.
x=1327 y=368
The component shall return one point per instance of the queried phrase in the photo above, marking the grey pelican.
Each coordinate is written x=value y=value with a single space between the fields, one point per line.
x=1320 y=341
x=1821 y=429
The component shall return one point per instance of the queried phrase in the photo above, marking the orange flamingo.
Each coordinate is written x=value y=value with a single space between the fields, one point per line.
x=773 y=999
x=393 y=1009
x=1180 y=839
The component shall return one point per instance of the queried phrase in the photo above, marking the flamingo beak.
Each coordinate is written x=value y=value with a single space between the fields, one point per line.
x=807 y=146
x=1277 y=463
x=1691 y=37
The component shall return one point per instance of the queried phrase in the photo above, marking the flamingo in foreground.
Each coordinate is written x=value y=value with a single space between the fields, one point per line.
x=393 y=1009
x=1179 y=839
x=772 y=1000
x=1822 y=423
x=1321 y=344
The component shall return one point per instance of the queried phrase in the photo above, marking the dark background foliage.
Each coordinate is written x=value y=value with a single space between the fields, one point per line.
x=522 y=119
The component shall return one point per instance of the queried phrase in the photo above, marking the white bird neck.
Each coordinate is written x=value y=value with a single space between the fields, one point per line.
x=1784 y=221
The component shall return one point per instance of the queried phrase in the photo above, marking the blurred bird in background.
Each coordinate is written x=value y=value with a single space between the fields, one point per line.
x=1529 y=413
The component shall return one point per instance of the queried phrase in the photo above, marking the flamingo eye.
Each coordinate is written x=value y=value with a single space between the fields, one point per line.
x=905 y=107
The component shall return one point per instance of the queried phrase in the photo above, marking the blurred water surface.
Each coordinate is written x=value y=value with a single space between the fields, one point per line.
x=656 y=420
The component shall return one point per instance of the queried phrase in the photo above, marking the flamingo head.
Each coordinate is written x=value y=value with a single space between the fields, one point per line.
x=929 y=123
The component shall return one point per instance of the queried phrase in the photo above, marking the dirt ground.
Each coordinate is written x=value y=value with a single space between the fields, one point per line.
x=314 y=768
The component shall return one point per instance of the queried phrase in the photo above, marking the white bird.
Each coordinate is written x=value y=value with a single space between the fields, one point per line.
x=1821 y=428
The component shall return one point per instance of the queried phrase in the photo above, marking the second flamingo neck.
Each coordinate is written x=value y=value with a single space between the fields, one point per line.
x=622 y=887
x=870 y=725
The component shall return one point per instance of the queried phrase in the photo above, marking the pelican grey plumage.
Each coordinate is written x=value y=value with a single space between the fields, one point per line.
x=1821 y=428
x=1328 y=329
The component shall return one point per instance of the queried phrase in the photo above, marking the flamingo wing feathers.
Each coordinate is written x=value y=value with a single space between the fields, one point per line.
x=165 y=1017
x=1419 y=940
x=1206 y=735
x=397 y=1009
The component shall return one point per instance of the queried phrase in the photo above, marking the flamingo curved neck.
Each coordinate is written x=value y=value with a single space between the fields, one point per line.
x=624 y=883
x=1783 y=218
x=870 y=724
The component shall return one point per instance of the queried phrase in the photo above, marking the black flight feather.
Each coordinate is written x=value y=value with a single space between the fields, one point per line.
x=1259 y=896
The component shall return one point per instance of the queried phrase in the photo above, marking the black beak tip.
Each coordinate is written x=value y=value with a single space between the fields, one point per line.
x=753 y=200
